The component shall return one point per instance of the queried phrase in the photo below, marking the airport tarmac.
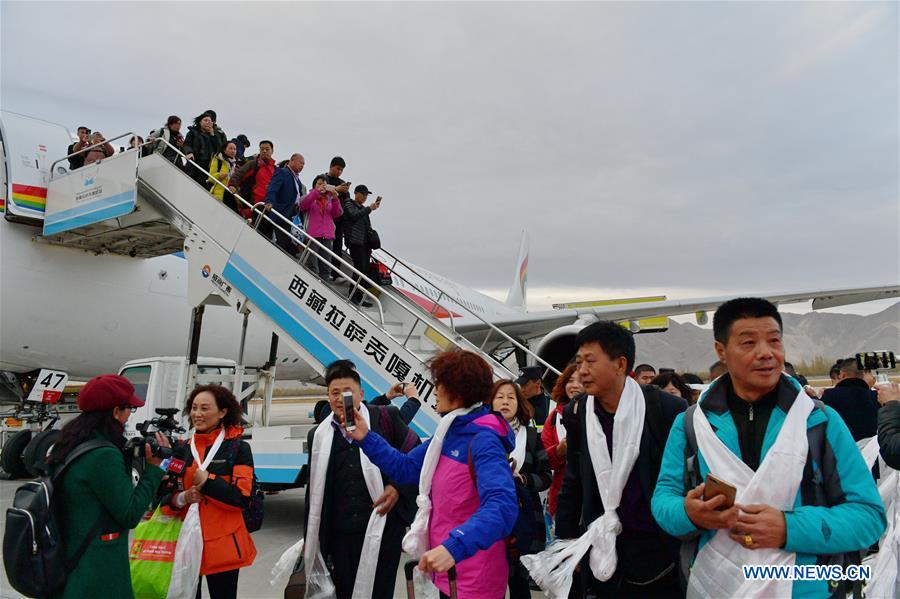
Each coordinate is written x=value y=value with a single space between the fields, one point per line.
x=282 y=527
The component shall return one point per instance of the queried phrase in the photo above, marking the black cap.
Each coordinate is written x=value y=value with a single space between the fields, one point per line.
x=243 y=140
x=529 y=373
x=361 y=189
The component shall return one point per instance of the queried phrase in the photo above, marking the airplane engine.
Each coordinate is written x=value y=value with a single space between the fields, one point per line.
x=557 y=348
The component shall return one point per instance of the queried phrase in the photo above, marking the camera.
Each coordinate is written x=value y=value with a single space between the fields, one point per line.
x=166 y=424
x=876 y=361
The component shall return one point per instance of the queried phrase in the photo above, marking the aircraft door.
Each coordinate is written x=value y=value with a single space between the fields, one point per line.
x=4 y=180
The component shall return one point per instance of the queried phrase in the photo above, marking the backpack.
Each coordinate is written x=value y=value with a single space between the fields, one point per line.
x=254 y=513
x=33 y=552
x=812 y=490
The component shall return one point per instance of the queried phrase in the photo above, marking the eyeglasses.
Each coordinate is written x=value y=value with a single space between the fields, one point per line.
x=131 y=409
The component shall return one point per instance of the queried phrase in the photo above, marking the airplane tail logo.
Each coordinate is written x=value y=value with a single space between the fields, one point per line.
x=518 y=292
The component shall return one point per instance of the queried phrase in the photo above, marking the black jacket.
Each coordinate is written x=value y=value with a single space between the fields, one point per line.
x=640 y=556
x=76 y=161
x=203 y=146
x=536 y=470
x=856 y=404
x=356 y=222
x=889 y=433
x=401 y=438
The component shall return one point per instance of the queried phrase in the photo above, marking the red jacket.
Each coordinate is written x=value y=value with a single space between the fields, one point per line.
x=557 y=463
x=264 y=173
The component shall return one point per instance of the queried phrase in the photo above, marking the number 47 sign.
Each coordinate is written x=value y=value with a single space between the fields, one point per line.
x=49 y=386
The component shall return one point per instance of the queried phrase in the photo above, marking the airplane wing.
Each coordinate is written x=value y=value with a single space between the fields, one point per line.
x=536 y=324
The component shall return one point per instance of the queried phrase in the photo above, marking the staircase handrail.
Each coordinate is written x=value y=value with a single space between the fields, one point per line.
x=87 y=149
x=266 y=215
x=454 y=337
x=404 y=305
x=494 y=328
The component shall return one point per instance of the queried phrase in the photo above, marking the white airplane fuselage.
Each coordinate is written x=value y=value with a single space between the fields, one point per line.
x=71 y=310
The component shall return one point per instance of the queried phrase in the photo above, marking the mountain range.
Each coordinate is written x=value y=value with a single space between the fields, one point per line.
x=689 y=348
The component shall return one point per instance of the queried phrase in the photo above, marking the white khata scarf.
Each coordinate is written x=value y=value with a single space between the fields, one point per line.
x=518 y=453
x=318 y=581
x=886 y=563
x=717 y=569
x=553 y=569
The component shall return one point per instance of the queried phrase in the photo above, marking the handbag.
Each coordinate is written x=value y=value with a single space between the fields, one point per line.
x=152 y=553
x=373 y=240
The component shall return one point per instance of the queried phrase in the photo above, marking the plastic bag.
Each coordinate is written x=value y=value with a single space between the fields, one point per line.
x=188 y=554
x=286 y=564
x=424 y=585
x=153 y=553
x=319 y=584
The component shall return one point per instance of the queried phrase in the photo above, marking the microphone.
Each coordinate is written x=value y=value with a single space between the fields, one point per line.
x=181 y=459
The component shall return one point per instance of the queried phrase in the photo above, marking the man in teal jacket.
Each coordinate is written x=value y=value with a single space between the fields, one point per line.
x=837 y=508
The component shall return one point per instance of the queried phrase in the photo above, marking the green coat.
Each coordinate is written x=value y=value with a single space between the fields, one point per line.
x=98 y=483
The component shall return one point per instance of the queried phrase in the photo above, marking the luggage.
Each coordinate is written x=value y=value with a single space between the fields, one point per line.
x=409 y=569
x=380 y=273
x=296 y=586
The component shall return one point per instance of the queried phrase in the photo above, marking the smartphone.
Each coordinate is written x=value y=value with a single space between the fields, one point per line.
x=349 y=412
x=717 y=486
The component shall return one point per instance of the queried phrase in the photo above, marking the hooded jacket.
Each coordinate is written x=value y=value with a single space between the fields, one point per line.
x=473 y=498
x=226 y=543
x=813 y=532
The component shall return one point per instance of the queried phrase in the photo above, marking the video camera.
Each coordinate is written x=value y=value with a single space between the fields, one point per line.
x=165 y=424
x=877 y=361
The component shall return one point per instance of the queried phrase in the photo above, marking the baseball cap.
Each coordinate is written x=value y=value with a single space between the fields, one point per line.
x=528 y=373
x=108 y=391
x=361 y=189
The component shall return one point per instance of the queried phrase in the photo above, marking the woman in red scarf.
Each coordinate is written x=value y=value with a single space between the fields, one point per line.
x=553 y=435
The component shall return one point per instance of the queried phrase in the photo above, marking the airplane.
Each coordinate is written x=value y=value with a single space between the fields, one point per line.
x=67 y=309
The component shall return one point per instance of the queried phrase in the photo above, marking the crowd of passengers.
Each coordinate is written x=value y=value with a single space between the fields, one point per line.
x=325 y=212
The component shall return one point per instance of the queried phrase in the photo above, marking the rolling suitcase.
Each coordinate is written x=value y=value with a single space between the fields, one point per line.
x=408 y=569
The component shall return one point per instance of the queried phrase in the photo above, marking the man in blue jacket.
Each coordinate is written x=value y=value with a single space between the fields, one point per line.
x=836 y=511
x=281 y=196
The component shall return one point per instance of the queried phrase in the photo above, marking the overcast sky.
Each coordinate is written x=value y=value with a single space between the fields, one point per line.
x=689 y=148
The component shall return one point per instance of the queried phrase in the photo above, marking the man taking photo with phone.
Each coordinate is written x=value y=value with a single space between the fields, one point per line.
x=803 y=493
x=358 y=228
x=355 y=516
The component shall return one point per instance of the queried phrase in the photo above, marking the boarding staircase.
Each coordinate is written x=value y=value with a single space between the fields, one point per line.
x=146 y=206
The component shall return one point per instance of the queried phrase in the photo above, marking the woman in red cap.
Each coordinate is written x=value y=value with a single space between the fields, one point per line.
x=220 y=480
x=96 y=494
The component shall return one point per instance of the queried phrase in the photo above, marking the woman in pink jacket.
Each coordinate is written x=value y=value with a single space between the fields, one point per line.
x=100 y=152
x=321 y=207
